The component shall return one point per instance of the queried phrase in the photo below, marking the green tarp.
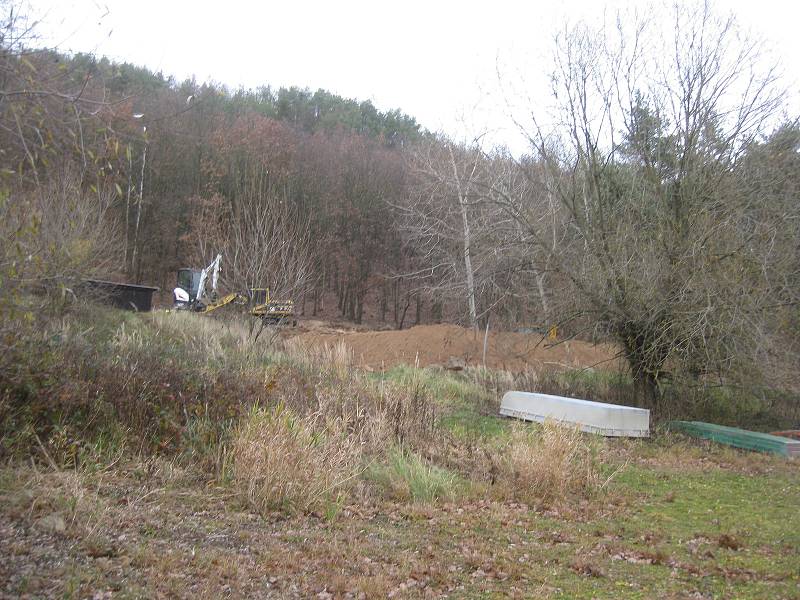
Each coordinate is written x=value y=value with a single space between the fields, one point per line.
x=740 y=438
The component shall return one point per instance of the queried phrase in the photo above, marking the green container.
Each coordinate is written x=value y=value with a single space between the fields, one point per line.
x=739 y=438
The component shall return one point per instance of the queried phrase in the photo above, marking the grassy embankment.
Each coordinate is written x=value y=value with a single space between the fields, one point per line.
x=168 y=454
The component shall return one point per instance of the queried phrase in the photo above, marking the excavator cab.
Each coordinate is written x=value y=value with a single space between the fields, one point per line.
x=191 y=291
x=189 y=281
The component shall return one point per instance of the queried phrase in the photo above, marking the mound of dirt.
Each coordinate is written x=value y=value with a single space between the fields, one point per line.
x=442 y=344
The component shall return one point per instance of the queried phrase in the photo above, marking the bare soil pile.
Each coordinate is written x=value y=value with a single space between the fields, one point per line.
x=442 y=344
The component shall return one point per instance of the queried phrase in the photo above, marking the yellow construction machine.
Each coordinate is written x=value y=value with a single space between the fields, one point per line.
x=191 y=294
x=275 y=312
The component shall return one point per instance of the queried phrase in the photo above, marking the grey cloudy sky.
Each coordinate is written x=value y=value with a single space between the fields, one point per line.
x=435 y=60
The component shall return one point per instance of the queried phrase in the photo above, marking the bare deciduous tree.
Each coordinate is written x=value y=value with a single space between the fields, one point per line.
x=451 y=222
x=661 y=243
x=56 y=235
x=265 y=242
x=49 y=111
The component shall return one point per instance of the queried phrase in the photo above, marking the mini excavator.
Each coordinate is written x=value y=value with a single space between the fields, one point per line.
x=192 y=293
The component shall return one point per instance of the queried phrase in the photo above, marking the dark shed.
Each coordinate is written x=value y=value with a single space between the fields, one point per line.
x=122 y=295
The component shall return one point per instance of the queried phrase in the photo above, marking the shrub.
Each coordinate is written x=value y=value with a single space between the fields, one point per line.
x=100 y=368
x=589 y=384
x=681 y=397
x=282 y=462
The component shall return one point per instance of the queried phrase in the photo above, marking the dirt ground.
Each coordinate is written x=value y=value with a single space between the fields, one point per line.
x=442 y=344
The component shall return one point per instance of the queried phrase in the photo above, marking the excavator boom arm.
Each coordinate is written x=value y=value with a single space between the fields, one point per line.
x=225 y=300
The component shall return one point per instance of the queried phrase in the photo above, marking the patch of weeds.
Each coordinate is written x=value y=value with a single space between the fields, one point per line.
x=755 y=408
x=407 y=476
x=469 y=423
x=445 y=388
x=333 y=507
x=205 y=442
x=587 y=384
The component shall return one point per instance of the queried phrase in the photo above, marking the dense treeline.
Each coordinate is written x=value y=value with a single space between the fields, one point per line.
x=659 y=209
x=177 y=159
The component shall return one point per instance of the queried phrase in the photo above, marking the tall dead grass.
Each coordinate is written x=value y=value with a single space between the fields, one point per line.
x=377 y=412
x=335 y=359
x=330 y=420
x=227 y=339
x=282 y=461
x=548 y=464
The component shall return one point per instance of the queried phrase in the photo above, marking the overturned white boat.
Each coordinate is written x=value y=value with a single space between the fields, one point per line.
x=593 y=417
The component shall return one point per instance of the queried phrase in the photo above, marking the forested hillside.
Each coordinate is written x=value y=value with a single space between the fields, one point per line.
x=175 y=162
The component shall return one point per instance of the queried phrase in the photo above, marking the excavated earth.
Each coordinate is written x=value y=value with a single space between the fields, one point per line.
x=451 y=345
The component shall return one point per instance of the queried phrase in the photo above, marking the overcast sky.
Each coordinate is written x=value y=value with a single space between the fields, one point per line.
x=435 y=60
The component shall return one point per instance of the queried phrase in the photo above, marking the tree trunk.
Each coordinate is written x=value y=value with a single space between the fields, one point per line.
x=384 y=293
x=437 y=311
x=316 y=300
x=359 y=306
x=645 y=368
x=322 y=297
x=341 y=292
x=396 y=292
x=134 y=265
x=473 y=317
x=405 y=310
x=542 y=295
x=351 y=303
x=128 y=210
x=462 y=204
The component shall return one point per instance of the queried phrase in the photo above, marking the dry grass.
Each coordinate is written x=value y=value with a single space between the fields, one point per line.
x=338 y=357
x=155 y=529
x=548 y=464
x=214 y=339
x=335 y=360
x=283 y=462
x=377 y=413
